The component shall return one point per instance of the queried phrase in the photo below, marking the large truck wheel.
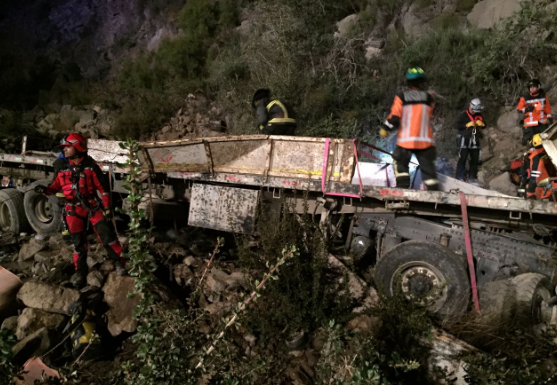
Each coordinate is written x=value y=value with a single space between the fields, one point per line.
x=43 y=212
x=427 y=273
x=12 y=213
x=497 y=303
x=532 y=293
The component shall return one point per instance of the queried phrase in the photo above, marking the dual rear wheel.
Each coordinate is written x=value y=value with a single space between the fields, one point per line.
x=20 y=212
x=433 y=276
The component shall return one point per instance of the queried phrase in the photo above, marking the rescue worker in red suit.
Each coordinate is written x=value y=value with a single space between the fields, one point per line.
x=81 y=181
x=536 y=109
x=411 y=115
x=536 y=172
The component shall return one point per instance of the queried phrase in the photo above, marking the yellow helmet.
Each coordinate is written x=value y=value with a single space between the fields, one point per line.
x=537 y=140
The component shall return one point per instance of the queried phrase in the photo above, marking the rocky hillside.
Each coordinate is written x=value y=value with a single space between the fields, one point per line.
x=112 y=69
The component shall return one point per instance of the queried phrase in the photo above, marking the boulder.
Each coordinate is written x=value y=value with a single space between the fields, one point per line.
x=503 y=184
x=94 y=260
x=31 y=248
x=56 y=241
x=9 y=286
x=372 y=52
x=508 y=123
x=43 y=256
x=358 y=290
x=415 y=23
x=54 y=299
x=107 y=266
x=192 y=261
x=32 y=320
x=216 y=280
x=183 y=275
x=33 y=345
x=10 y=324
x=120 y=318
x=95 y=278
x=487 y=14
x=346 y=25
x=235 y=280
x=364 y=324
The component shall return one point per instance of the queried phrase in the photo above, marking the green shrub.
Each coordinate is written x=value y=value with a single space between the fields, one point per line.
x=7 y=369
x=465 y=5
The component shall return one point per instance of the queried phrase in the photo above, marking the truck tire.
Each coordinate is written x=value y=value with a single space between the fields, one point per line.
x=497 y=303
x=43 y=212
x=12 y=214
x=427 y=273
x=532 y=293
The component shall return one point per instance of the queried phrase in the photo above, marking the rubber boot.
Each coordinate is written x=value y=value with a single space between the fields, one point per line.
x=79 y=280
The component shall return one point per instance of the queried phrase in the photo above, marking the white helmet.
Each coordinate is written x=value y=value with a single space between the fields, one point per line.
x=476 y=106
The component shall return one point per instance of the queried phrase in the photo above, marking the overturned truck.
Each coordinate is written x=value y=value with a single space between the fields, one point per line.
x=416 y=239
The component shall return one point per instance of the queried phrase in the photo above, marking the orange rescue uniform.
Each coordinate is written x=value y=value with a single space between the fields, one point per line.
x=414 y=110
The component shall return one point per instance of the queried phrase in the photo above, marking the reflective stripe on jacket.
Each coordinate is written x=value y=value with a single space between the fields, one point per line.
x=540 y=169
x=412 y=111
x=541 y=112
x=276 y=113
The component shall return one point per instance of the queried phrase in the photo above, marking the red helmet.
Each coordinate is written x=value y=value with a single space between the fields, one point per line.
x=75 y=140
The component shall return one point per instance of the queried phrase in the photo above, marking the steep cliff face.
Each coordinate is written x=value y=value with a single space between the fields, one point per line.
x=76 y=39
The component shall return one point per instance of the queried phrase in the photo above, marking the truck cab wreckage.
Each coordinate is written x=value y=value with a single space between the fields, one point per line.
x=416 y=239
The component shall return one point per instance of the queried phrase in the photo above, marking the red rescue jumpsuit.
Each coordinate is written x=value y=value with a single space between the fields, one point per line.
x=80 y=181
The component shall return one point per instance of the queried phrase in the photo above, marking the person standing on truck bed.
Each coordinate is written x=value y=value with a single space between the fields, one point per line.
x=536 y=109
x=538 y=173
x=411 y=115
x=274 y=117
x=468 y=123
x=80 y=181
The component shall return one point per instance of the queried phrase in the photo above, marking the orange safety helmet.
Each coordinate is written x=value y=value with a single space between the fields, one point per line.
x=75 y=140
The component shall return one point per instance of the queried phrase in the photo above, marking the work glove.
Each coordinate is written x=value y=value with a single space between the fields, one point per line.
x=479 y=123
x=40 y=189
x=107 y=214
x=471 y=124
x=530 y=108
x=384 y=133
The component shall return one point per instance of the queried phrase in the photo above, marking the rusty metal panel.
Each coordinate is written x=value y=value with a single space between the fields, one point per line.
x=223 y=208
x=279 y=156
x=28 y=159
x=182 y=157
x=245 y=156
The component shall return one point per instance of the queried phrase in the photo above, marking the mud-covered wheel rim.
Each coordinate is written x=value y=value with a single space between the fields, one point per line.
x=43 y=209
x=421 y=283
x=5 y=217
x=533 y=312
x=541 y=311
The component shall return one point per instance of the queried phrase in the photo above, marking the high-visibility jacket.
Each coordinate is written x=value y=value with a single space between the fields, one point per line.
x=411 y=113
x=540 y=168
x=542 y=109
x=274 y=113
